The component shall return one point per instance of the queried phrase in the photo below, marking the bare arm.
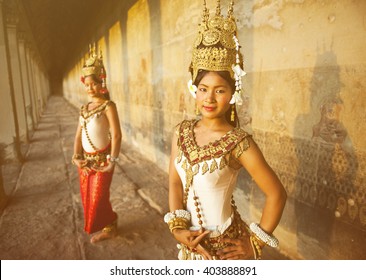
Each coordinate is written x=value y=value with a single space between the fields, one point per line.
x=78 y=148
x=116 y=134
x=252 y=159
x=175 y=184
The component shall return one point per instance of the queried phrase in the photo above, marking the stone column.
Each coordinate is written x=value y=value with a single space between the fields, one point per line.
x=12 y=21
x=37 y=87
x=9 y=131
x=3 y=197
x=32 y=86
x=45 y=87
x=7 y=128
x=25 y=79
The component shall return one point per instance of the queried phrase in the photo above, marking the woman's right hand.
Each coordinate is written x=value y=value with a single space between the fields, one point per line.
x=192 y=239
x=82 y=164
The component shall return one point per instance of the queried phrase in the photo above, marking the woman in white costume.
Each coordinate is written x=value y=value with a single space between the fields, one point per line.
x=206 y=156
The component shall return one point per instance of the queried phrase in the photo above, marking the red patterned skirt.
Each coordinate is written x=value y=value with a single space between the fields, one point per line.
x=94 y=190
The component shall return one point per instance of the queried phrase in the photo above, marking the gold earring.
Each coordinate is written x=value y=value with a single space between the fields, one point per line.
x=232 y=118
x=197 y=111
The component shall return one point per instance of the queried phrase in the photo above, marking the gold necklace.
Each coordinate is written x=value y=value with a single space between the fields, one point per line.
x=85 y=113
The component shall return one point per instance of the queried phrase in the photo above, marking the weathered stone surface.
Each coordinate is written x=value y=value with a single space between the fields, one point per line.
x=304 y=104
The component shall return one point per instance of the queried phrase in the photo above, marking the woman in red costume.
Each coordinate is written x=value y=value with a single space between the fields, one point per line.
x=96 y=148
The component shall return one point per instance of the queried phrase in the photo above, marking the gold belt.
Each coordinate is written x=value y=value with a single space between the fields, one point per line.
x=237 y=229
x=98 y=158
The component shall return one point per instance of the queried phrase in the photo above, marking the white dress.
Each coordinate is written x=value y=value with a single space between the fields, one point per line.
x=210 y=173
x=214 y=191
x=95 y=128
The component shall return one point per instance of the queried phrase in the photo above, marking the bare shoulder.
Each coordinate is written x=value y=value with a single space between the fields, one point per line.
x=251 y=148
x=110 y=104
x=111 y=107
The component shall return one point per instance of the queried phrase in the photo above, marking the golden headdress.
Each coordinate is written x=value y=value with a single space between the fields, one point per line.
x=216 y=47
x=94 y=66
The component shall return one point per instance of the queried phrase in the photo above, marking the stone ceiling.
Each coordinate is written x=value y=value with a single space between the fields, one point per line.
x=59 y=28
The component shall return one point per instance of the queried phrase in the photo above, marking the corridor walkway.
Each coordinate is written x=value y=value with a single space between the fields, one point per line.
x=43 y=218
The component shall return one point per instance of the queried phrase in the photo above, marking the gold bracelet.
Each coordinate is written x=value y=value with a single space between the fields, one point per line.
x=177 y=227
x=257 y=249
x=178 y=222
x=259 y=241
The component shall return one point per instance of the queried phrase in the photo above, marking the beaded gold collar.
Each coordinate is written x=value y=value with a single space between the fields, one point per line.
x=216 y=149
x=85 y=113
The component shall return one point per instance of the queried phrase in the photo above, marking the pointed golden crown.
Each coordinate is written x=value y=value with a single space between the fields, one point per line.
x=94 y=64
x=215 y=48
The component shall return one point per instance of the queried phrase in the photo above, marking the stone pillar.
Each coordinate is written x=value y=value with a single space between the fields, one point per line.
x=12 y=21
x=45 y=87
x=33 y=94
x=9 y=131
x=25 y=79
x=37 y=86
x=7 y=128
x=3 y=197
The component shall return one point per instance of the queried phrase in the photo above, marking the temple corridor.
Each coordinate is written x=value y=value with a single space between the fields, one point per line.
x=303 y=103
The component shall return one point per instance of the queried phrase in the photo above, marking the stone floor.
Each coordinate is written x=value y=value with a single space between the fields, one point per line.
x=43 y=218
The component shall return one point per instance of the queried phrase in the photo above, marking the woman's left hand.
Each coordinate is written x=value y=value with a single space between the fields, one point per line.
x=107 y=168
x=239 y=249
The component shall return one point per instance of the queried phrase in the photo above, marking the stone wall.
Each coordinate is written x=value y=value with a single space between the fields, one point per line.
x=303 y=96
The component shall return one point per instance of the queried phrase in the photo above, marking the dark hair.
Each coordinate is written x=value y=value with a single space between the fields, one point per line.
x=106 y=96
x=226 y=76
